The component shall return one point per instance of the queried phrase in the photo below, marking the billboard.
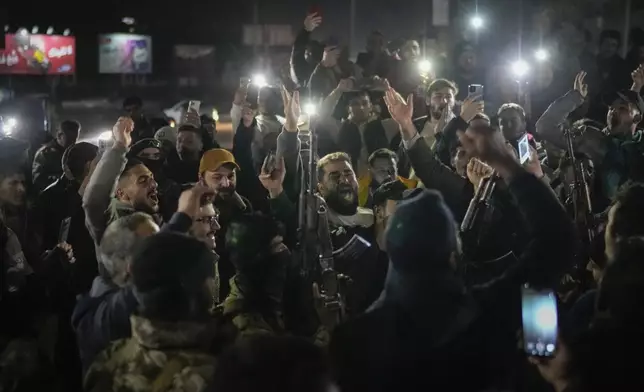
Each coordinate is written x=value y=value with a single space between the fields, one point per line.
x=38 y=54
x=125 y=54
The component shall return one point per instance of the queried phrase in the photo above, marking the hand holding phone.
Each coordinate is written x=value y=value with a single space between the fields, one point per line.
x=524 y=149
x=270 y=162
x=193 y=106
x=540 y=321
x=476 y=90
x=63 y=233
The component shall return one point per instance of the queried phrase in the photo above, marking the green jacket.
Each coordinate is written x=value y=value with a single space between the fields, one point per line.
x=160 y=356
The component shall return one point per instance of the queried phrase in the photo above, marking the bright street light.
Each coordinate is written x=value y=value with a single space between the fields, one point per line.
x=128 y=20
x=66 y=32
x=541 y=54
x=311 y=109
x=476 y=22
x=520 y=68
x=50 y=30
x=259 y=80
x=34 y=30
x=424 y=66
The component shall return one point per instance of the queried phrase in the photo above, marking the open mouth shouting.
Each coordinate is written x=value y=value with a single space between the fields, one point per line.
x=153 y=196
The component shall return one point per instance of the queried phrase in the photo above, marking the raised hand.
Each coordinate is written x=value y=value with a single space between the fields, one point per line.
x=192 y=117
x=477 y=170
x=312 y=21
x=400 y=109
x=533 y=165
x=273 y=181
x=580 y=84
x=292 y=109
x=122 y=131
x=638 y=78
x=191 y=200
x=346 y=85
x=471 y=107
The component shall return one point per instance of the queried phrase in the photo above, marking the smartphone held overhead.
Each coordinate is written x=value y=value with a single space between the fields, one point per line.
x=193 y=106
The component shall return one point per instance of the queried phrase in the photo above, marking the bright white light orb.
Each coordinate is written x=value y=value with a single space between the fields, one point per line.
x=541 y=55
x=476 y=22
x=425 y=66
x=259 y=80
x=520 y=68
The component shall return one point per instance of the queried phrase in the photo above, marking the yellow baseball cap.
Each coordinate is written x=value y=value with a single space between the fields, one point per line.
x=215 y=158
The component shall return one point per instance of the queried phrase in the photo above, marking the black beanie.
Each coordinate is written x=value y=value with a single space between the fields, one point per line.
x=167 y=260
x=422 y=234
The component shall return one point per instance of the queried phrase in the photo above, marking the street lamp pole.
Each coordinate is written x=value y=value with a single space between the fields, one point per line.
x=352 y=27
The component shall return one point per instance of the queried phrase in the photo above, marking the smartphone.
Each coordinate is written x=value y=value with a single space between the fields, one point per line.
x=194 y=106
x=524 y=149
x=315 y=9
x=63 y=233
x=475 y=90
x=270 y=162
x=540 y=322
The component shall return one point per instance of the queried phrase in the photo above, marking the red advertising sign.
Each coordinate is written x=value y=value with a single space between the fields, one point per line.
x=38 y=54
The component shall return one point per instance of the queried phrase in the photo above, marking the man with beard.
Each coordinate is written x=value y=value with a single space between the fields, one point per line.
x=382 y=169
x=338 y=186
x=118 y=185
x=218 y=171
x=617 y=151
x=151 y=153
x=204 y=228
x=440 y=105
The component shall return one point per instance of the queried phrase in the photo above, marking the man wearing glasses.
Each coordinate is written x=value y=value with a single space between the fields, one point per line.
x=204 y=228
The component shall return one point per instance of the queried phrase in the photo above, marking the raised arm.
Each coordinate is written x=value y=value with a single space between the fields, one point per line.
x=102 y=183
x=553 y=235
x=548 y=124
x=299 y=66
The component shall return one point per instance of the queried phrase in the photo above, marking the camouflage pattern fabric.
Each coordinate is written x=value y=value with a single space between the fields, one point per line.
x=249 y=324
x=160 y=356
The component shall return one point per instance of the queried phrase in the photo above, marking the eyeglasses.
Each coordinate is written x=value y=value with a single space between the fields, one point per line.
x=211 y=220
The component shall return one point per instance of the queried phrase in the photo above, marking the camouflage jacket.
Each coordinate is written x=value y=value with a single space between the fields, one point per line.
x=160 y=356
x=251 y=323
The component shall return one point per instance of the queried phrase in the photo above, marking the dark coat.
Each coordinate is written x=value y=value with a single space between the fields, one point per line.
x=433 y=333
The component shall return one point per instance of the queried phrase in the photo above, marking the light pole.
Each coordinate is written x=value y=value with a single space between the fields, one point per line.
x=352 y=26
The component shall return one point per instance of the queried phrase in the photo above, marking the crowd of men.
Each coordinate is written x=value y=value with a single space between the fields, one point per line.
x=163 y=262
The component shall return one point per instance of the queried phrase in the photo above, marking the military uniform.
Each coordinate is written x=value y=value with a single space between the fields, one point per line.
x=249 y=324
x=47 y=165
x=160 y=356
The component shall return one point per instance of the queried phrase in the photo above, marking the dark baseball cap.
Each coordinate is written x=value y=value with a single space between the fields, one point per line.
x=627 y=96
